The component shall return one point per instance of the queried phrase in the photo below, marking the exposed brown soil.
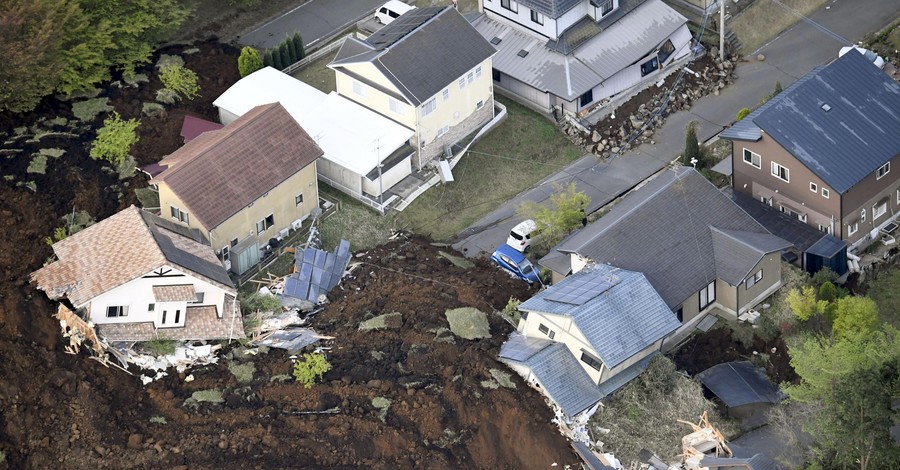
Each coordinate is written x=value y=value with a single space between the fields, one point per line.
x=64 y=409
x=717 y=346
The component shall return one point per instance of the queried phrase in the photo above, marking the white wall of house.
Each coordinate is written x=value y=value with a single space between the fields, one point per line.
x=521 y=15
x=534 y=98
x=347 y=180
x=137 y=297
x=373 y=98
x=227 y=117
x=565 y=331
x=462 y=97
x=389 y=177
x=573 y=16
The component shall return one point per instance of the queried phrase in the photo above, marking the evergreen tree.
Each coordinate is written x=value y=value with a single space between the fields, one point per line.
x=298 y=46
x=285 y=56
x=292 y=53
x=276 y=59
x=692 y=145
x=267 y=58
x=249 y=61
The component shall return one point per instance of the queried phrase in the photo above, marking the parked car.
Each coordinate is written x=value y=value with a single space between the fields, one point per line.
x=520 y=236
x=390 y=11
x=516 y=263
x=870 y=56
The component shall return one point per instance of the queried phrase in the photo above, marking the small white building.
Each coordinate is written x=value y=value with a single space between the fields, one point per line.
x=139 y=277
x=365 y=154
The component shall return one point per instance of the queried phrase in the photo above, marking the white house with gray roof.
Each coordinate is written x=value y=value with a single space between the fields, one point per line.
x=586 y=336
x=570 y=55
x=700 y=251
x=429 y=70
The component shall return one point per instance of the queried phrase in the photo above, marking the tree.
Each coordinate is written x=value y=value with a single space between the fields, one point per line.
x=692 y=152
x=804 y=303
x=181 y=80
x=298 y=46
x=854 y=318
x=267 y=58
x=311 y=369
x=292 y=52
x=285 y=55
x=257 y=302
x=276 y=59
x=249 y=61
x=115 y=139
x=566 y=212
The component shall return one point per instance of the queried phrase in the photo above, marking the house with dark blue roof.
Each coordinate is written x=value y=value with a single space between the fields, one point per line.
x=823 y=150
x=586 y=336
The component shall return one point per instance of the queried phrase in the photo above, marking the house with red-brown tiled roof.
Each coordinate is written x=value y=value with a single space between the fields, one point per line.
x=243 y=185
x=140 y=277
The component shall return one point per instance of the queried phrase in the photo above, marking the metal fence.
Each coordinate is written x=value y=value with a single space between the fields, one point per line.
x=319 y=53
x=350 y=192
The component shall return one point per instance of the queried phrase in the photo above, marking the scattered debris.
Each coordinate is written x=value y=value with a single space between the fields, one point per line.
x=458 y=260
x=77 y=331
x=316 y=272
x=391 y=320
x=705 y=438
x=184 y=357
x=292 y=339
x=468 y=323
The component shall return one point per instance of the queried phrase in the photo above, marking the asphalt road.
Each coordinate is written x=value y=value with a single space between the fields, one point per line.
x=794 y=53
x=314 y=20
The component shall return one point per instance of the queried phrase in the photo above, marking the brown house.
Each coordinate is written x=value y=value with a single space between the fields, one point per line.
x=243 y=185
x=823 y=149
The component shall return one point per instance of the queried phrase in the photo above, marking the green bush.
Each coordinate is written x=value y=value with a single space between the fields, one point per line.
x=115 y=139
x=311 y=369
x=249 y=61
x=160 y=347
x=181 y=80
x=267 y=58
x=257 y=302
x=742 y=113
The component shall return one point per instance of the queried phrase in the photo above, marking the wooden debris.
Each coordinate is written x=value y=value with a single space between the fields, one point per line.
x=78 y=330
x=705 y=439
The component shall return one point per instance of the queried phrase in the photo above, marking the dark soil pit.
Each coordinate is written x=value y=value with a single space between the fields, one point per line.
x=717 y=346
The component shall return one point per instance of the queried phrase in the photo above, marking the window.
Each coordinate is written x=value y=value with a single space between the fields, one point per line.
x=179 y=214
x=429 y=107
x=226 y=253
x=177 y=316
x=397 y=107
x=151 y=307
x=879 y=210
x=360 y=89
x=591 y=361
x=234 y=242
x=462 y=82
x=852 y=228
x=543 y=329
x=116 y=311
x=813 y=187
x=665 y=51
x=298 y=200
x=885 y=169
x=707 y=295
x=480 y=105
x=163 y=320
x=862 y=215
x=826 y=193
x=446 y=94
x=606 y=7
x=586 y=98
x=470 y=77
x=478 y=72
x=265 y=224
x=825 y=228
x=537 y=17
x=754 y=279
x=495 y=75
x=781 y=172
x=753 y=159
x=200 y=297
x=443 y=130
x=649 y=66
x=510 y=5
x=801 y=217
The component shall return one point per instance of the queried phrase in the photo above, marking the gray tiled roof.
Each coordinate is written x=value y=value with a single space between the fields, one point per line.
x=757 y=462
x=740 y=383
x=619 y=322
x=593 y=61
x=800 y=234
x=737 y=251
x=520 y=348
x=663 y=231
x=627 y=375
x=193 y=258
x=857 y=134
x=563 y=378
x=423 y=56
x=552 y=8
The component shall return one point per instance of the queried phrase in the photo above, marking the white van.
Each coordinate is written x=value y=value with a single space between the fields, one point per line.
x=520 y=235
x=390 y=11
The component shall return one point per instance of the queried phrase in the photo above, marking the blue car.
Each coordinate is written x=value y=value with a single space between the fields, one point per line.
x=515 y=262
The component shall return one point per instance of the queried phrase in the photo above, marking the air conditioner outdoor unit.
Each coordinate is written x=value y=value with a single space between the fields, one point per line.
x=283 y=233
x=296 y=224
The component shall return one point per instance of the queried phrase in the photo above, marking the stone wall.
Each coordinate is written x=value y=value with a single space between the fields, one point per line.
x=457 y=133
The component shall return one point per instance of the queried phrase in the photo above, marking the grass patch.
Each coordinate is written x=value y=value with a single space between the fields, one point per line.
x=886 y=295
x=318 y=75
x=765 y=19
x=38 y=164
x=362 y=227
x=160 y=347
x=468 y=323
x=513 y=157
x=88 y=110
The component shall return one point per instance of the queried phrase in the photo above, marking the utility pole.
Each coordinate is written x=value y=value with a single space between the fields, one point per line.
x=380 y=180
x=722 y=30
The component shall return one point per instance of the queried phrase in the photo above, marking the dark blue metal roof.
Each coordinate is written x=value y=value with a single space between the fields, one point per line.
x=843 y=123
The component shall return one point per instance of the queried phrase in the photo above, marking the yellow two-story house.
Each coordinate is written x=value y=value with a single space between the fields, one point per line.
x=243 y=185
x=429 y=70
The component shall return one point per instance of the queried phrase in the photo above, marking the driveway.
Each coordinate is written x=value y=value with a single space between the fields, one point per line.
x=788 y=57
x=315 y=20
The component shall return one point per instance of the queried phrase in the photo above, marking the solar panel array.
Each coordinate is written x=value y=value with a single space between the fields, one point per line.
x=400 y=27
x=317 y=272
x=577 y=291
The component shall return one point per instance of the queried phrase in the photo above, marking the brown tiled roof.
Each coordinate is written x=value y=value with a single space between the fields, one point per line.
x=123 y=247
x=220 y=172
x=199 y=323
x=180 y=293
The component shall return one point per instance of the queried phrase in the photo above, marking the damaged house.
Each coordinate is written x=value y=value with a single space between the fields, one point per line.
x=139 y=277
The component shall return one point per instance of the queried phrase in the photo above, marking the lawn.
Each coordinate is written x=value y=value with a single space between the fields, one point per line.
x=766 y=19
x=513 y=157
x=885 y=293
x=318 y=75
x=355 y=222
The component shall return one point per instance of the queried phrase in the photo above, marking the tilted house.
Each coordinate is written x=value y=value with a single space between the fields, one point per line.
x=428 y=70
x=700 y=251
x=243 y=185
x=607 y=321
x=139 y=277
x=364 y=154
x=570 y=55
x=823 y=149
